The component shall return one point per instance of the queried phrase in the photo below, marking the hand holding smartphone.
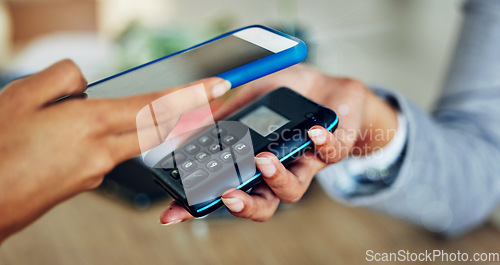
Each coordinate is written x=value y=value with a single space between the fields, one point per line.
x=239 y=56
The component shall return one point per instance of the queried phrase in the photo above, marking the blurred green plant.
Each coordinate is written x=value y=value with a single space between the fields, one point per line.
x=139 y=44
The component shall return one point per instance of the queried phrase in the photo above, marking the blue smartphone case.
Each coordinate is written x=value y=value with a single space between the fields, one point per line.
x=268 y=64
x=248 y=72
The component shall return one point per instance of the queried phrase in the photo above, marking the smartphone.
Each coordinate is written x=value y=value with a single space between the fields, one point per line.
x=221 y=156
x=239 y=56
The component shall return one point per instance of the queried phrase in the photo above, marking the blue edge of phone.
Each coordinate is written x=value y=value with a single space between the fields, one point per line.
x=241 y=75
x=258 y=174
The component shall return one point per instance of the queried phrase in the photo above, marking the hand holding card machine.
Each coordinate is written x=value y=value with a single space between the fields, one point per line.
x=222 y=156
x=238 y=56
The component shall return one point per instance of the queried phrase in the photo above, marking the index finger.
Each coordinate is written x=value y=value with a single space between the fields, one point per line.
x=58 y=80
x=121 y=114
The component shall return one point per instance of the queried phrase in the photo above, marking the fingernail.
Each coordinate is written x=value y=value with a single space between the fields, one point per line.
x=317 y=136
x=265 y=166
x=171 y=222
x=221 y=88
x=233 y=204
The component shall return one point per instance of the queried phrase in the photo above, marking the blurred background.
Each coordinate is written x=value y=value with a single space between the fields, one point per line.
x=404 y=45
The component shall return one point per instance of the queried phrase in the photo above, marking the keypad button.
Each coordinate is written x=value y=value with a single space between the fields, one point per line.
x=191 y=149
x=241 y=148
x=214 y=165
x=226 y=157
x=179 y=158
x=189 y=166
x=229 y=139
x=205 y=140
x=202 y=156
x=214 y=148
x=217 y=131
x=175 y=174
x=192 y=179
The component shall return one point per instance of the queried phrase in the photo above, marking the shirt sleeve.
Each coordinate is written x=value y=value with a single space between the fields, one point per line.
x=448 y=180
x=364 y=175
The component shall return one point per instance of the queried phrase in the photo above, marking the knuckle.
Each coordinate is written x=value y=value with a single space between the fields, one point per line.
x=266 y=217
x=352 y=85
x=293 y=198
x=16 y=86
x=95 y=166
x=277 y=185
x=355 y=86
x=296 y=199
x=13 y=93
x=248 y=214
x=72 y=72
x=93 y=182
x=333 y=152
x=343 y=150
x=103 y=163
x=263 y=219
x=100 y=165
x=101 y=120
x=332 y=156
x=69 y=64
x=348 y=82
x=274 y=182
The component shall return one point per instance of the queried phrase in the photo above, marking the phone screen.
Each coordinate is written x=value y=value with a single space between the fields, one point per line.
x=207 y=60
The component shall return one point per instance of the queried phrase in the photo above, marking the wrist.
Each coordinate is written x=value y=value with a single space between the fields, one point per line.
x=378 y=126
